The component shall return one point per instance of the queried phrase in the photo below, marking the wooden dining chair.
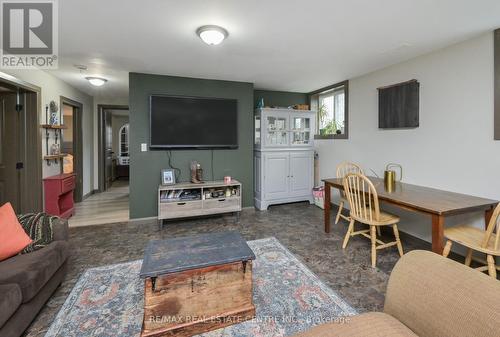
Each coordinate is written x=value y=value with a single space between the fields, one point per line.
x=342 y=170
x=476 y=239
x=363 y=202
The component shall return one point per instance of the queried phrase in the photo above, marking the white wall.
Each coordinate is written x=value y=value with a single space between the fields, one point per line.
x=52 y=89
x=453 y=149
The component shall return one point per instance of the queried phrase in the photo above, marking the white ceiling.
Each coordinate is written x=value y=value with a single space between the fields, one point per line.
x=276 y=44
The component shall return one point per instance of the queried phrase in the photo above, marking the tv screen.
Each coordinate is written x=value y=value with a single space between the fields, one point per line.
x=398 y=105
x=193 y=122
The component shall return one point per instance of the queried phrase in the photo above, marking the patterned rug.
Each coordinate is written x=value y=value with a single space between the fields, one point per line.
x=289 y=298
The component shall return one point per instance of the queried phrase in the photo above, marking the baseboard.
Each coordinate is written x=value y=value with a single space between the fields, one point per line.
x=143 y=221
x=89 y=194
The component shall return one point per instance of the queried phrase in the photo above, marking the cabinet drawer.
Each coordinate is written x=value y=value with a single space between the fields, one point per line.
x=222 y=203
x=180 y=209
x=67 y=184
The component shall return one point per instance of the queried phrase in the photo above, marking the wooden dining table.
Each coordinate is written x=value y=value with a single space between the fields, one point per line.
x=429 y=201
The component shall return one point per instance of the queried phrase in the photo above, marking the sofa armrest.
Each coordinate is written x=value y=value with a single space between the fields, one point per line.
x=60 y=230
x=438 y=297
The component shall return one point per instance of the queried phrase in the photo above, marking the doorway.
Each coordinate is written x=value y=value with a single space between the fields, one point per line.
x=113 y=134
x=111 y=202
x=20 y=145
x=72 y=142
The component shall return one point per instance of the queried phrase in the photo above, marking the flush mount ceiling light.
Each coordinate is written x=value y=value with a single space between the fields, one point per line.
x=96 y=81
x=212 y=35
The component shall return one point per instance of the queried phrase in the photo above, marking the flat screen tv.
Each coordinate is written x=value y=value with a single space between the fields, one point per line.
x=398 y=105
x=181 y=122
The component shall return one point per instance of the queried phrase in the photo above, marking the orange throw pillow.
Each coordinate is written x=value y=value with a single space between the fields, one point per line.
x=13 y=238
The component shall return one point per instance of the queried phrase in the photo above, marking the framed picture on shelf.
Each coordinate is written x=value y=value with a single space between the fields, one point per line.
x=167 y=177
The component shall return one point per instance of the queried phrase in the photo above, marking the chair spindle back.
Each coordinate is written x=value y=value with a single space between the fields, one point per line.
x=362 y=197
x=491 y=227
x=345 y=168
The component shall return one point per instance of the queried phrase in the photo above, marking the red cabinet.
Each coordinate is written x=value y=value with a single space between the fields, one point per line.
x=59 y=194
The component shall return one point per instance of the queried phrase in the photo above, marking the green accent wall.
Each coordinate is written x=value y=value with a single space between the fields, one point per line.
x=280 y=98
x=145 y=167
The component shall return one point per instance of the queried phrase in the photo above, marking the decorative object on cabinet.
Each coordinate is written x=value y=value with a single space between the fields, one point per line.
x=189 y=199
x=196 y=173
x=58 y=191
x=167 y=177
x=301 y=107
x=284 y=156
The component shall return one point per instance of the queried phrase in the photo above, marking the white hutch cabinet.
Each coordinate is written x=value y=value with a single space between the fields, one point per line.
x=283 y=156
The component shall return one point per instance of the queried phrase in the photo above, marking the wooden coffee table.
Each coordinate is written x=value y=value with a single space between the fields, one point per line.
x=196 y=284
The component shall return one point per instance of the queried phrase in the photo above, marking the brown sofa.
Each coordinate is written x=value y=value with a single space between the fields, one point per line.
x=27 y=281
x=428 y=295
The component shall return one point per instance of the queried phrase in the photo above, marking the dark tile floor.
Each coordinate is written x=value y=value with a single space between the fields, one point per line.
x=297 y=226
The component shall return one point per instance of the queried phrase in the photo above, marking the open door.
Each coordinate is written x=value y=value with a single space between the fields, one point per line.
x=108 y=149
x=9 y=189
x=72 y=142
x=20 y=147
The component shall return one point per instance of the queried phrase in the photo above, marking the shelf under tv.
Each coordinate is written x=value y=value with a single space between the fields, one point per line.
x=176 y=208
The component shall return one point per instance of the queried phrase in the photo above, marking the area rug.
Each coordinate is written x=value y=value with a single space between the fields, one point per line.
x=289 y=298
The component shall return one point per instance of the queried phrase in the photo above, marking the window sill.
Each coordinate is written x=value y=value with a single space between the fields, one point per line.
x=331 y=136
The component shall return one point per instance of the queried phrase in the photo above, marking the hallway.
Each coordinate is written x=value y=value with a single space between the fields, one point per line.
x=107 y=207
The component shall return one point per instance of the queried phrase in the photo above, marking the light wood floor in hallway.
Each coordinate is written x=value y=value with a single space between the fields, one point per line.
x=107 y=207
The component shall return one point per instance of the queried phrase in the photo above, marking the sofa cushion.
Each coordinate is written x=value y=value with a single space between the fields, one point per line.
x=373 y=324
x=10 y=300
x=13 y=239
x=32 y=271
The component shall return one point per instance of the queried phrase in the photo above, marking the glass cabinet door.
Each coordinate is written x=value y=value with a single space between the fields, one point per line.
x=277 y=131
x=301 y=130
x=257 y=130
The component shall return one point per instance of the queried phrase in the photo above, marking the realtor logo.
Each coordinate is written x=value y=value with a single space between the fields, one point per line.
x=29 y=34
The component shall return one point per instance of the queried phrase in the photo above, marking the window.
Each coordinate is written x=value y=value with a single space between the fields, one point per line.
x=331 y=104
x=123 y=145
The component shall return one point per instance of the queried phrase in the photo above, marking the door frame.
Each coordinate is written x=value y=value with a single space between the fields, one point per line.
x=31 y=181
x=101 y=109
x=77 y=144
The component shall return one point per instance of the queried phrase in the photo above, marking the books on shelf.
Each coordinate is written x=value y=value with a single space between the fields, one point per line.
x=180 y=195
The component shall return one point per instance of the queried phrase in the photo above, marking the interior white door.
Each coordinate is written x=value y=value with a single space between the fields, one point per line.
x=301 y=166
x=276 y=175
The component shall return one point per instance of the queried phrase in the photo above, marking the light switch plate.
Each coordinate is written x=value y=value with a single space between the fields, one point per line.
x=144 y=147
